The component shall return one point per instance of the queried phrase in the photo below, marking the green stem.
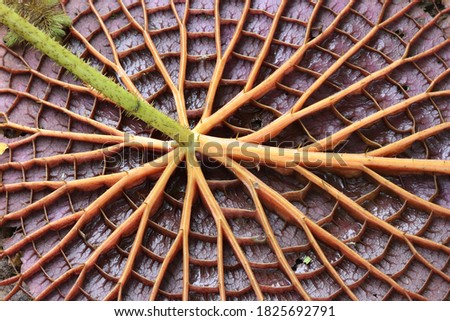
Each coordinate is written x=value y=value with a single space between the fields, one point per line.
x=119 y=95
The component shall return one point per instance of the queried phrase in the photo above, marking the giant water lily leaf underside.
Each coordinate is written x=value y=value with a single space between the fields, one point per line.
x=100 y=207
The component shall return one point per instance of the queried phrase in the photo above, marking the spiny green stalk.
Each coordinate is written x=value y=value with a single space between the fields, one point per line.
x=119 y=95
x=44 y=14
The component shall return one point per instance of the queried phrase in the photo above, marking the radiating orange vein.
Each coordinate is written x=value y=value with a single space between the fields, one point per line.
x=102 y=127
x=125 y=228
x=291 y=213
x=150 y=205
x=127 y=140
x=92 y=210
x=138 y=218
x=439 y=78
x=82 y=137
x=185 y=228
x=238 y=170
x=116 y=66
x=211 y=203
x=426 y=27
x=266 y=47
x=60 y=188
x=170 y=256
x=309 y=26
x=220 y=245
x=55 y=160
x=177 y=245
x=286 y=157
x=286 y=268
x=223 y=59
x=220 y=262
x=217 y=36
x=276 y=126
x=424 y=261
x=183 y=60
x=57 y=82
x=208 y=123
x=338 y=63
x=277 y=156
x=57 y=282
x=408 y=196
x=331 y=141
x=33 y=236
x=106 y=33
x=181 y=110
x=365 y=215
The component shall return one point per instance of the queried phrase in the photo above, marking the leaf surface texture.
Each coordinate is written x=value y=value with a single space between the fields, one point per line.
x=99 y=207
